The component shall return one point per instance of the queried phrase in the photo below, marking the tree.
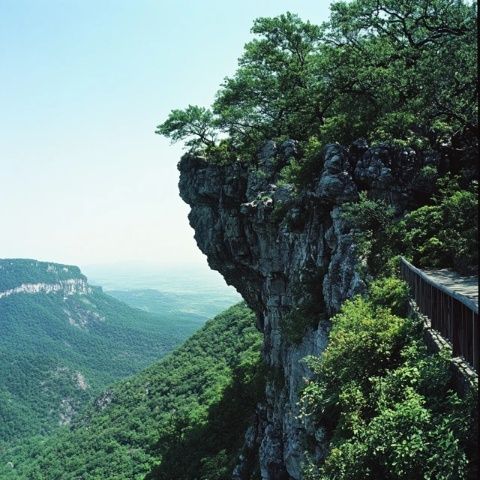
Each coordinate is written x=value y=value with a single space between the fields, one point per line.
x=401 y=68
x=270 y=95
x=194 y=125
x=387 y=70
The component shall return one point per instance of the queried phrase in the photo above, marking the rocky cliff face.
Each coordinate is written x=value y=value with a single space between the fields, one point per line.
x=292 y=258
x=71 y=286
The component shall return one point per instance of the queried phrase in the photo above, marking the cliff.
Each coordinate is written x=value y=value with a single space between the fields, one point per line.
x=293 y=258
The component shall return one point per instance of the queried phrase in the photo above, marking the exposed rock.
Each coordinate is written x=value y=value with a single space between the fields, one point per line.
x=80 y=380
x=282 y=250
x=67 y=411
x=66 y=287
x=104 y=400
x=336 y=184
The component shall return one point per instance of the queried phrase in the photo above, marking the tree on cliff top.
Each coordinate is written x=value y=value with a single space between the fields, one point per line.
x=194 y=125
x=401 y=70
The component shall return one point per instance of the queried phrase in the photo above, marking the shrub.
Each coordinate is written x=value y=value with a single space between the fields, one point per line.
x=301 y=173
x=364 y=340
x=443 y=234
x=371 y=220
x=295 y=323
x=387 y=404
x=390 y=292
x=309 y=309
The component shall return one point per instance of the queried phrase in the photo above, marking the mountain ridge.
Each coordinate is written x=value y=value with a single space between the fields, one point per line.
x=17 y=271
x=63 y=340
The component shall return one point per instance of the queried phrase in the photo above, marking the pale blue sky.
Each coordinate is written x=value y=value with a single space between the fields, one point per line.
x=83 y=83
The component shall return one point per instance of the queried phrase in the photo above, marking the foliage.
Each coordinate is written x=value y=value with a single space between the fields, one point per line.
x=443 y=234
x=296 y=323
x=194 y=125
x=269 y=95
x=388 y=405
x=171 y=417
x=16 y=271
x=388 y=70
x=300 y=173
x=390 y=292
x=309 y=309
x=57 y=352
x=392 y=71
x=371 y=220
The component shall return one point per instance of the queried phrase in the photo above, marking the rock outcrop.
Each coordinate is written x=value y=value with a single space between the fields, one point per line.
x=292 y=257
x=71 y=286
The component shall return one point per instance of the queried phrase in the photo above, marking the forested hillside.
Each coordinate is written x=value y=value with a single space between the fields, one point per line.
x=332 y=151
x=15 y=271
x=174 y=413
x=60 y=343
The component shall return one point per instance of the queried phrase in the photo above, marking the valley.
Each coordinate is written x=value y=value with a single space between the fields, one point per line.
x=63 y=340
x=167 y=421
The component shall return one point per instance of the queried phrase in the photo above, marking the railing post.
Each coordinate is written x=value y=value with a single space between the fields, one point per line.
x=454 y=317
x=475 y=342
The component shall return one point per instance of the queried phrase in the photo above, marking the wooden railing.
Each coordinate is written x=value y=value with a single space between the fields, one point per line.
x=454 y=316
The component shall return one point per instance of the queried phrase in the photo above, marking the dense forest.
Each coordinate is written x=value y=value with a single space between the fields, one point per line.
x=395 y=79
x=389 y=406
x=383 y=73
x=15 y=271
x=58 y=351
x=174 y=414
x=398 y=71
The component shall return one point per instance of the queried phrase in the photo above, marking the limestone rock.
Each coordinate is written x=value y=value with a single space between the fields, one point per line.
x=282 y=249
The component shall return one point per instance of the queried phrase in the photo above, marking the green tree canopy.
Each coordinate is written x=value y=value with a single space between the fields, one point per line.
x=386 y=70
x=194 y=126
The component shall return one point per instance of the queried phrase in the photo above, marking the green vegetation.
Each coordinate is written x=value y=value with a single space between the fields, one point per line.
x=442 y=234
x=309 y=309
x=388 y=406
x=390 y=292
x=169 y=419
x=395 y=71
x=57 y=352
x=386 y=70
x=296 y=323
x=200 y=304
x=14 y=272
x=372 y=221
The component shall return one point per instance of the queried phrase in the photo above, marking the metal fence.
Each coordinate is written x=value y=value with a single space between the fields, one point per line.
x=451 y=314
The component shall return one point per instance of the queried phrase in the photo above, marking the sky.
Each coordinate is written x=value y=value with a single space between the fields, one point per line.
x=83 y=83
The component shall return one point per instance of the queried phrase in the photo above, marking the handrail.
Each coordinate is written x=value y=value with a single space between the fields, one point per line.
x=461 y=298
x=453 y=315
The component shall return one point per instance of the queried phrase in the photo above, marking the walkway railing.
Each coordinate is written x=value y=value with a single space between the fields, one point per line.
x=454 y=316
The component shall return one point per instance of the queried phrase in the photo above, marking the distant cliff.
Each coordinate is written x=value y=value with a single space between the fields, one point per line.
x=293 y=257
x=62 y=340
x=15 y=272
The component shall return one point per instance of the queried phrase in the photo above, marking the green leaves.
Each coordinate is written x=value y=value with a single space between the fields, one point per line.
x=390 y=292
x=443 y=234
x=406 y=59
x=268 y=95
x=194 y=125
x=385 y=70
x=371 y=221
x=169 y=418
x=387 y=404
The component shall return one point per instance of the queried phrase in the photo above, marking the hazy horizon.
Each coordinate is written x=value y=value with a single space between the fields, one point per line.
x=84 y=179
